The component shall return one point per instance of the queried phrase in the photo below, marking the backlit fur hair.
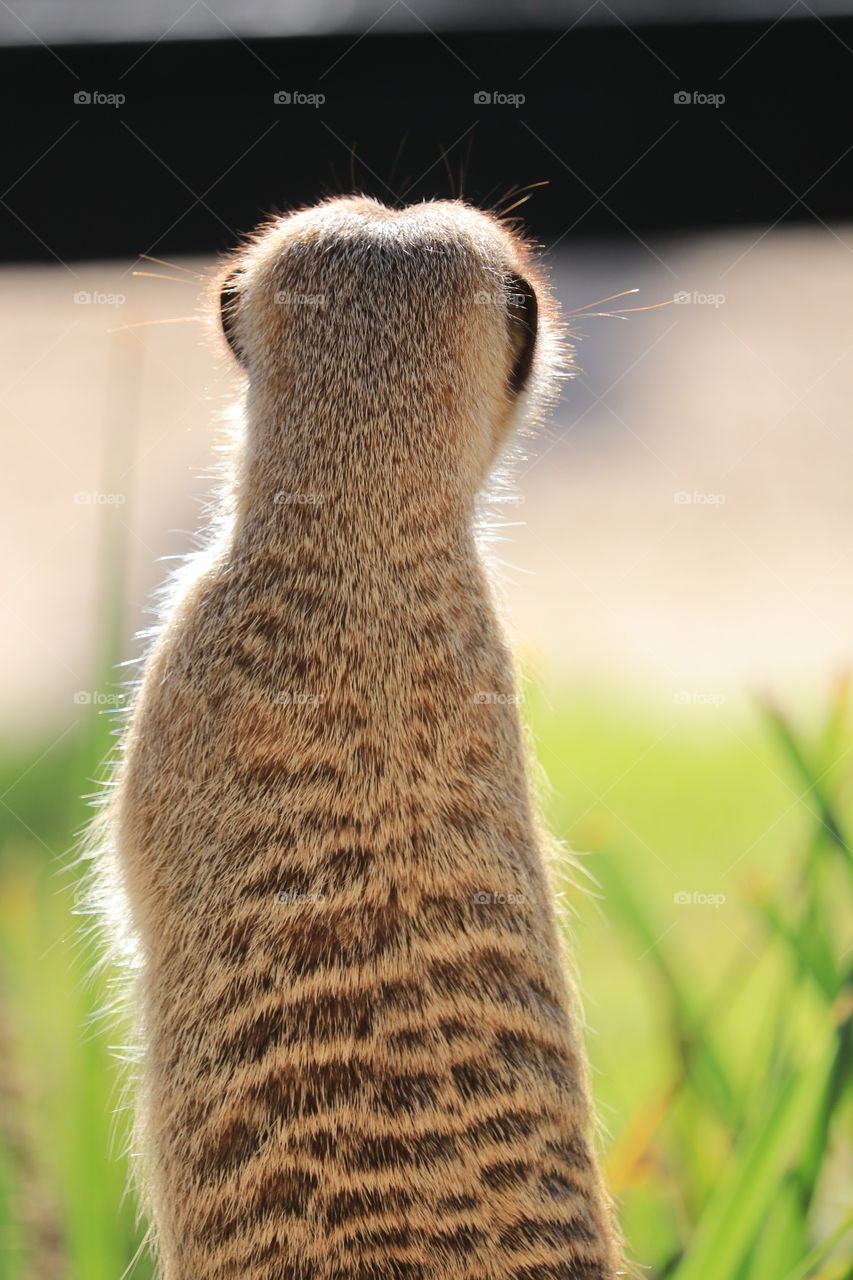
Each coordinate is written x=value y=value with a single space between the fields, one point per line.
x=361 y=1056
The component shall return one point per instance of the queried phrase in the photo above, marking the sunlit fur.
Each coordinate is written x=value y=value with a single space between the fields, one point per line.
x=354 y=1066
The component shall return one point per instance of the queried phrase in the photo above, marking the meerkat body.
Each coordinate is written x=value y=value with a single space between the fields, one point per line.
x=360 y=1058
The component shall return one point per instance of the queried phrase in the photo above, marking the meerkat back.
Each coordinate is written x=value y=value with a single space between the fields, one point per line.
x=359 y=1045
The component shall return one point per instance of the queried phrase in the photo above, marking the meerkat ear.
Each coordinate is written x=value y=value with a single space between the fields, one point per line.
x=523 y=325
x=229 y=301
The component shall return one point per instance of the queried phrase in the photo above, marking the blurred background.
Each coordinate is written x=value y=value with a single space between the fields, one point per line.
x=675 y=564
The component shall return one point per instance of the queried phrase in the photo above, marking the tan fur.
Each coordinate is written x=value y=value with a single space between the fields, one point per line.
x=354 y=1067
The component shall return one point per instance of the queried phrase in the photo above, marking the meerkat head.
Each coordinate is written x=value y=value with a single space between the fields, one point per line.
x=395 y=343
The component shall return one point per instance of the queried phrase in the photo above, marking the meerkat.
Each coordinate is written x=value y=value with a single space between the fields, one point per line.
x=361 y=1050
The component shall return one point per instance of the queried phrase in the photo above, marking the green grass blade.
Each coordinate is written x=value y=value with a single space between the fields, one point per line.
x=803 y=1270
x=699 y=1059
x=830 y=823
x=736 y=1214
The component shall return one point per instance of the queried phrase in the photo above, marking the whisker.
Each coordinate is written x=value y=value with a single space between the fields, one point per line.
x=651 y=307
x=175 y=266
x=610 y=298
x=445 y=158
x=517 y=190
x=523 y=200
x=626 y=311
x=463 y=161
x=397 y=157
x=158 y=275
x=493 y=208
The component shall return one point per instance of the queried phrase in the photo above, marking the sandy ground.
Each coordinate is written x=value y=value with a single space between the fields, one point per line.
x=683 y=523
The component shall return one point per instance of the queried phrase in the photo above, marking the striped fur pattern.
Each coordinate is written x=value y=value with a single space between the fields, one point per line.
x=361 y=1059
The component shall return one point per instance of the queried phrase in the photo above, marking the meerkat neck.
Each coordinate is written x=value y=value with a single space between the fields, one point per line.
x=290 y=482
